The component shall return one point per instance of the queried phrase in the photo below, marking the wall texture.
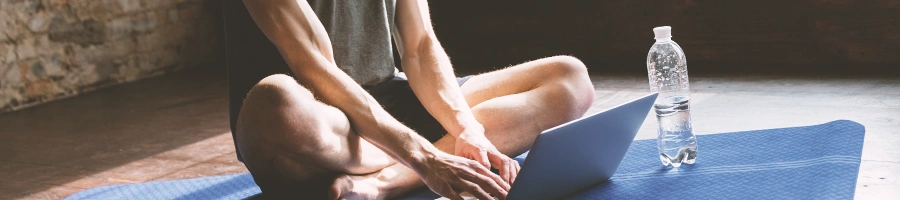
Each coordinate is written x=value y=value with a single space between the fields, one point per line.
x=51 y=49
x=719 y=37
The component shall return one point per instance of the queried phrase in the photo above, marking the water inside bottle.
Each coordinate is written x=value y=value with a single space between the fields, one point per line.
x=677 y=143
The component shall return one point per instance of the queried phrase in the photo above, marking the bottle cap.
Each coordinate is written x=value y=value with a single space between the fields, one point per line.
x=662 y=32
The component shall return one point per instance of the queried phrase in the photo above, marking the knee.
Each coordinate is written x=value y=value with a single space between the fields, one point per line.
x=568 y=67
x=277 y=79
x=573 y=75
x=277 y=90
x=280 y=110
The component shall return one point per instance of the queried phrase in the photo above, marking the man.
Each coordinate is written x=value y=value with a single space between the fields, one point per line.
x=319 y=111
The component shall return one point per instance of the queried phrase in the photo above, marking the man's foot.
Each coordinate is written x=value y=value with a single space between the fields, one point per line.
x=359 y=187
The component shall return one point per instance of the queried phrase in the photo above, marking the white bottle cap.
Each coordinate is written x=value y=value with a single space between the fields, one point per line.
x=662 y=32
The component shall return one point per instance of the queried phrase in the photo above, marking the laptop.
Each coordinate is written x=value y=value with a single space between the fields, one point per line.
x=581 y=153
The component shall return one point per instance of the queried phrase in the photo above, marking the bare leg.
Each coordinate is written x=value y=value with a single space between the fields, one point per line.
x=294 y=145
x=517 y=103
x=514 y=105
x=387 y=183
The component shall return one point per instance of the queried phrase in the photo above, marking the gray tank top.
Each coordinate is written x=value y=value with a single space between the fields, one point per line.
x=360 y=33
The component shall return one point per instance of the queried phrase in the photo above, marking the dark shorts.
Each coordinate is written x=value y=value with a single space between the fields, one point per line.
x=398 y=99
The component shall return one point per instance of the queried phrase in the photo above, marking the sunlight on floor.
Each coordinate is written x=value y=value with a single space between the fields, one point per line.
x=209 y=157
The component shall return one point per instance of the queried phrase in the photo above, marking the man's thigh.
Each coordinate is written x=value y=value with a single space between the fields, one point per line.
x=516 y=103
x=514 y=79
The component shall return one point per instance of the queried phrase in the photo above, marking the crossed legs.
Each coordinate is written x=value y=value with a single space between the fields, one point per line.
x=295 y=145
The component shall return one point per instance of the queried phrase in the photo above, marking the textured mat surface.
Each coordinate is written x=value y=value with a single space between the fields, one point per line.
x=216 y=187
x=810 y=162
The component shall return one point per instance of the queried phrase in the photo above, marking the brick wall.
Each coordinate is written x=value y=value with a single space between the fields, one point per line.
x=51 y=49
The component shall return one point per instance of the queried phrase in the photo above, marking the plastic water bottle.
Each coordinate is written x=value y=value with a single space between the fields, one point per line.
x=667 y=69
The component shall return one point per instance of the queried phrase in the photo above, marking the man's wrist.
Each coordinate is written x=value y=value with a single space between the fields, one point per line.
x=471 y=131
x=418 y=158
x=413 y=150
x=469 y=125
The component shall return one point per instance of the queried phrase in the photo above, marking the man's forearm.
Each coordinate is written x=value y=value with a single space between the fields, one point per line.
x=432 y=79
x=428 y=68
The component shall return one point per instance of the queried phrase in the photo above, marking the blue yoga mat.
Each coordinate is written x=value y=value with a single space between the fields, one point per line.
x=810 y=162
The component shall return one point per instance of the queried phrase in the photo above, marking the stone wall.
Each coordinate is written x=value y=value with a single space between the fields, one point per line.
x=52 y=49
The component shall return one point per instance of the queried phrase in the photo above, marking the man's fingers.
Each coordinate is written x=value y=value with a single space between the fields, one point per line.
x=492 y=178
x=505 y=170
x=497 y=162
x=516 y=172
x=477 y=191
x=501 y=162
x=446 y=191
x=483 y=158
x=490 y=186
x=510 y=170
x=453 y=194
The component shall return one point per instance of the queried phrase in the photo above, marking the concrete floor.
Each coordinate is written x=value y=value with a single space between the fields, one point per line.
x=176 y=126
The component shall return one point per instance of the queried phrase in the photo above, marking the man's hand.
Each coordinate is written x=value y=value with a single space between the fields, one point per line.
x=449 y=175
x=472 y=144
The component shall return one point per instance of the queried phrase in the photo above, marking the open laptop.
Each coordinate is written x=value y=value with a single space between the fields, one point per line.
x=579 y=154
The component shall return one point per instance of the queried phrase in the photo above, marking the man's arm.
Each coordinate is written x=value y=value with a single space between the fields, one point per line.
x=301 y=39
x=431 y=78
x=303 y=42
